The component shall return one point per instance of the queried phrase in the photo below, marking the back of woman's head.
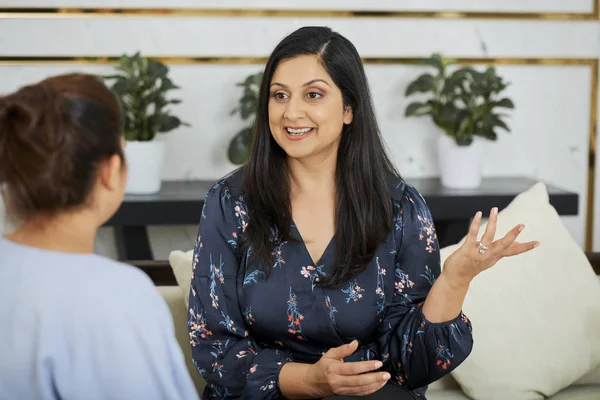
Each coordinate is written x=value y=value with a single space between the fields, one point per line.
x=54 y=134
x=363 y=205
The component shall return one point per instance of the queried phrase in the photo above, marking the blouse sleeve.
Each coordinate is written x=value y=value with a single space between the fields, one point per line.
x=232 y=362
x=416 y=351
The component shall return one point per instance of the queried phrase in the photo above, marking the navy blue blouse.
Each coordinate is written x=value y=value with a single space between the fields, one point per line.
x=243 y=327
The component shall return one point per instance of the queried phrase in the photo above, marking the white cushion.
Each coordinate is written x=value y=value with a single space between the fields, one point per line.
x=181 y=262
x=174 y=299
x=536 y=316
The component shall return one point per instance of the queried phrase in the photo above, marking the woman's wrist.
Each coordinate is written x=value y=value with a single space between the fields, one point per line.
x=456 y=281
x=298 y=381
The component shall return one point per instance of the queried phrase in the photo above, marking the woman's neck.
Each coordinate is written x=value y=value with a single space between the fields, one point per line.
x=72 y=232
x=310 y=176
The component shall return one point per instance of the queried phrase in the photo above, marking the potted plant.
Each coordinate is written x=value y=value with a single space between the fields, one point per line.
x=464 y=103
x=141 y=85
x=239 y=147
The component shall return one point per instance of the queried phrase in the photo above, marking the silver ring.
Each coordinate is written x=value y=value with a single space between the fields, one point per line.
x=482 y=248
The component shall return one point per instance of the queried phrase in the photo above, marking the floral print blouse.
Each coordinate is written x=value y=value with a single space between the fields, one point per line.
x=243 y=327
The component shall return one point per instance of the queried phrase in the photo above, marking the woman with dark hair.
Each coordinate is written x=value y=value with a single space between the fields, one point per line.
x=316 y=271
x=74 y=325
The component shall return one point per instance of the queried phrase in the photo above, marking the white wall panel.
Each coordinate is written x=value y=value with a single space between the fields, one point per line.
x=180 y=36
x=550 y=125
x=433 y=5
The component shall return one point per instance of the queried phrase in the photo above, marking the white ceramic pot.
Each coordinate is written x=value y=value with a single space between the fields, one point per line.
x=145 y=164
x=460 y=166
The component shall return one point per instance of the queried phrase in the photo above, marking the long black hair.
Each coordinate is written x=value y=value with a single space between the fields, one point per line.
x=364 y=206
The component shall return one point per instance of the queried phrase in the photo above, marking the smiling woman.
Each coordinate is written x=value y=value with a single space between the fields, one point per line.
x=303 y=107
x=316 y=271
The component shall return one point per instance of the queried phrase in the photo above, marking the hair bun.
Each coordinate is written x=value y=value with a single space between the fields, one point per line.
x=15 y=118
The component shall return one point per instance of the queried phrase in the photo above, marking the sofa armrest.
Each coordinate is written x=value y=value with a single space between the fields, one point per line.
x=159 y=271
x=594 y=258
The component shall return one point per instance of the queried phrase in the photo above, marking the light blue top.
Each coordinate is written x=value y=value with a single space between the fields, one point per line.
x=76 y=326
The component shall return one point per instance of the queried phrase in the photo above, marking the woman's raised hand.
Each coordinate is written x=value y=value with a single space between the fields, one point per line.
x=475 y=256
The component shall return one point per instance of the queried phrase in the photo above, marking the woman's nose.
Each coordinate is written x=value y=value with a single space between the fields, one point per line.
x=293 y=110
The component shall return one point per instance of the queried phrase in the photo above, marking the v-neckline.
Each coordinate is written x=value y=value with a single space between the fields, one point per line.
x=305 y=249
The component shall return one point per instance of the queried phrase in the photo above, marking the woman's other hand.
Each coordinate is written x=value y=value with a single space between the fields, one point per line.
x=474 y=256
x=331 y=376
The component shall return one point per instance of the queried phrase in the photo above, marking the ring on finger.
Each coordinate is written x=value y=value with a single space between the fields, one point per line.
x=482 y=248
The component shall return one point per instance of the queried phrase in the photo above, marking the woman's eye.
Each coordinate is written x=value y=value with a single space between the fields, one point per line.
x=314 y=95
x=279 y=96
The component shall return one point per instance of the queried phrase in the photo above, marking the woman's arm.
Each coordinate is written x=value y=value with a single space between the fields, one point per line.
x=416 y=349
x=232 y=362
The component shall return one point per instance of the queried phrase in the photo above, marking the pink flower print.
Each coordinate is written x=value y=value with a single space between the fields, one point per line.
x=279 y=261
x=294 y=317
x=428 y=233
x=198 y=329
x=307 y=271
x=402 y=281
x=332 y=310
x=443 y=356
x=268 y=386
x=253 y=368
x=195 y=262
x=354 y=292
x=248 y=316
x=216 y=275
x=239 y=212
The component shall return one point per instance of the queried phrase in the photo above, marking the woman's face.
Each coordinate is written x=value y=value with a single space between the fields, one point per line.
x=306 y=109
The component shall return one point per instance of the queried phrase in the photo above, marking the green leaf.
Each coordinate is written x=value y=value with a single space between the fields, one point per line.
x=167 y=123
x=465 y=127
x=111 y=77
x=424 y=83
x=239 y=147
x=436 y=61
x=463 y=140
x=457 y=80
x=124 y=86
x=248 y=109
x=496 y=121
x=167 y=84
x=157 y=69
x=506 y=103
x=487 y=133
x=417 y=109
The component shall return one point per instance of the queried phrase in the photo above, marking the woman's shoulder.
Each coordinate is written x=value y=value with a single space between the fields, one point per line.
x=404 y=193
x=74 y=285
x=397 y=186
x=230 y=185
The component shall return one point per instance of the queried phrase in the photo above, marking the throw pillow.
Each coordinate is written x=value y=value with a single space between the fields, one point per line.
x=536 y=316
x=181 y=262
